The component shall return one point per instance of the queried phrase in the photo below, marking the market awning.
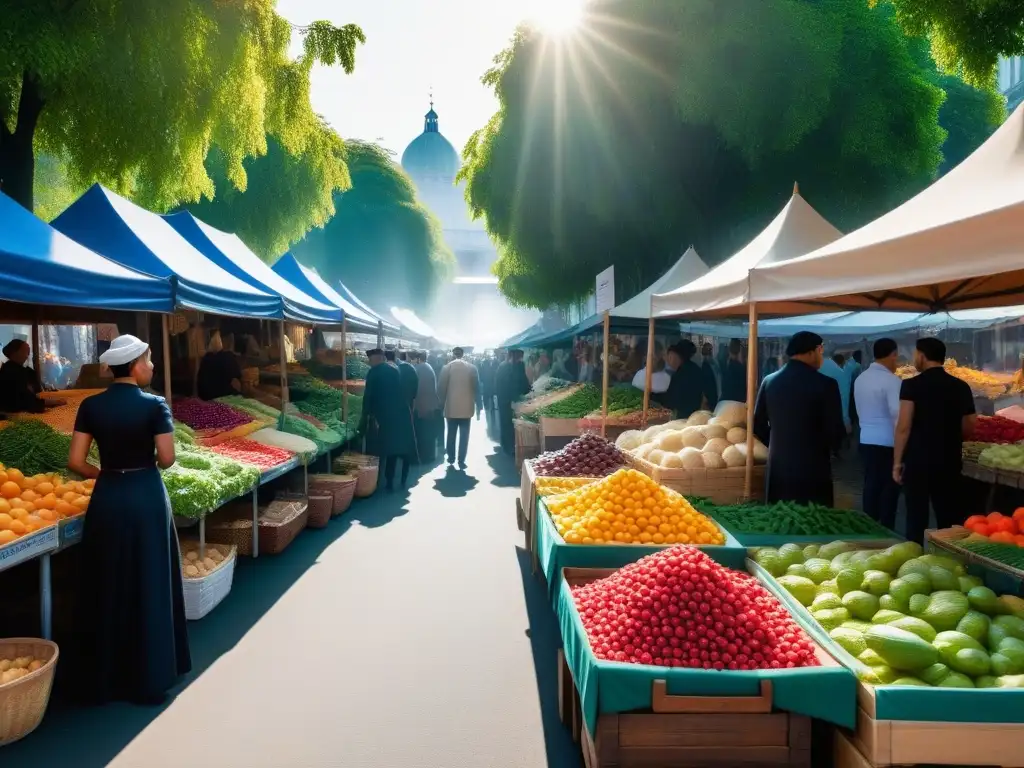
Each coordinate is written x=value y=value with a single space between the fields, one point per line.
x=798 y=229
x=310 y=283
x=353 y=299
x=227 y=251
x=959 y=244
x=43 y=266
x=141 y=240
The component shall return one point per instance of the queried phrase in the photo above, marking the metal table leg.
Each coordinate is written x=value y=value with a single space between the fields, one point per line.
x=255 y=524
x=202 y=537
x=45 y=598
x=305 y=479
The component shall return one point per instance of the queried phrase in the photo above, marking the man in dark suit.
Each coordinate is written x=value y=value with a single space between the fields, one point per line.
x=799 y=416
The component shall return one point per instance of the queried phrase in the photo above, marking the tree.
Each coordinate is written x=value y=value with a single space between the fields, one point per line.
x=663 y=124
x=286 y=195
x=135 y=93
x=381 y=242
x=967 y=36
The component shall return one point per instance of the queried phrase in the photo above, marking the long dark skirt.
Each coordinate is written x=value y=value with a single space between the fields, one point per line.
x=131 y=603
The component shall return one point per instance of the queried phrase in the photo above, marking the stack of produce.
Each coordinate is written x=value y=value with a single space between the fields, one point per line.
x=630 y=508
x=545 y=384
x=1009 y=458
x=300 y=446
x=999 y=550
x=908 y=618
x=195 y=567
x=1000 y=528
x=62 y=418
x=34 y=447
x=208 y=416
x=625 y=408
x=15 y=669
x=201 y=481
x=982 y=383
x=787 y=518
x=28 y=504
x=255 y=454
x=527 y=407
x=323 y=438
x=679 y=608
x=313 y=398
x=703 y=441
x=574 y=406
x=257 y=410
x=587 y=456
x=555 y=486
x=997 y=429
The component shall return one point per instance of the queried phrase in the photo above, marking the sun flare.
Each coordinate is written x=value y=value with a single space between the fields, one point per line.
x=558 y=17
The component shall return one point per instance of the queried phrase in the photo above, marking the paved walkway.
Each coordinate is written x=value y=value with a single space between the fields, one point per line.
x=408 y=633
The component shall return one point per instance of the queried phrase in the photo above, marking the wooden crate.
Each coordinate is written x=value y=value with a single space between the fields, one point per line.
x=527 y=441
x=906 y=742
x=556 y=433
x=692 y=731
x=722 y=486
x=947 y=540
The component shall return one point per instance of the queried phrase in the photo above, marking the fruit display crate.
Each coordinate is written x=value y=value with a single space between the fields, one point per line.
x=557 y=433
x=1006 y=477
x=722 y=486
x=906 y=724
x=29 y=546
x=526 y=507
x=946 y=540
x=636 y=715
x=527 y=436
x=553 y=553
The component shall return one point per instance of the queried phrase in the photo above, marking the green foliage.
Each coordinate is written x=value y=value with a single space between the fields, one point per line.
x=136 y=93
x=286 y=195
x=382 y=242
x=967 y=36
x=663 y=124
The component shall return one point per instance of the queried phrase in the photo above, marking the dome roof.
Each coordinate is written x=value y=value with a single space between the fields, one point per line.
x=430 y=154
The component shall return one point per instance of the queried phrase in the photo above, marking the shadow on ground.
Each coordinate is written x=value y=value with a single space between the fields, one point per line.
x=545 y=639
x=95 y=735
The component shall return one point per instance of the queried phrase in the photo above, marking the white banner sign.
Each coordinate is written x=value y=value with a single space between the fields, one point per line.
x=605 y=293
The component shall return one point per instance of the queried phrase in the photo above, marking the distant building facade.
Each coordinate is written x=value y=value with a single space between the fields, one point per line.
x=1010 y=79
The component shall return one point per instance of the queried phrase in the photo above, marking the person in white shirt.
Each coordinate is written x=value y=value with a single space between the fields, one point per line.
x=876 y=394
x=660 y=379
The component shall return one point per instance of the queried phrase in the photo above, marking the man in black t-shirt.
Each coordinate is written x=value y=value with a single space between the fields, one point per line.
x=936 y=414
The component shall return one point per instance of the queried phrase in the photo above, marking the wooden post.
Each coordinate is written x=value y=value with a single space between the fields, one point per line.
x=344 y=370
x=604 y=376
x=284 y=368
x=748 y=477
x=165 y=333
x=647 y=372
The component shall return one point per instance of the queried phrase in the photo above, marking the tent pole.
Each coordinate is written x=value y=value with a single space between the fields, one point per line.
x=284 y=368
x=36 y=356
x=380 y=334
x=748 y=477
x=344 y=370
x=604 y=376
x=165 y=334
x=648 y=371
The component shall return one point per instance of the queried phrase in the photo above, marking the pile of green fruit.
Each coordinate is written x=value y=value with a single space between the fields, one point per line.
x=907 y=617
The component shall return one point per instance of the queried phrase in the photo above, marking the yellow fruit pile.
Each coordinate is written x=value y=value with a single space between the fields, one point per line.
x=62 y=418
x=628 y=507
x=982 y=383
x=14 y=669
x=30 y=503
x=553 y=486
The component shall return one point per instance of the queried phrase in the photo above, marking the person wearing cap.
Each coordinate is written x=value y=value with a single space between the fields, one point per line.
x=690 y=384
x=19 y=383
x=220 y=373
x=387 y=419
x=798 y=415
x=134 y=642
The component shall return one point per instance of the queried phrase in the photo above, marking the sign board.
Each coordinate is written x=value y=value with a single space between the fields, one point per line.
x=605 y=293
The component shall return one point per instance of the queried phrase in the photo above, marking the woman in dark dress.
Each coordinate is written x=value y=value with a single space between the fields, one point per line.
x=132 y=608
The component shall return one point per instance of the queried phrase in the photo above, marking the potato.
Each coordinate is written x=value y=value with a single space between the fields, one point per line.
x=652 y=432
x=191 y=572
x=760 y=452
x=643 y=451
x=699 y=418
x=693 y=437
x=711 y=431
x=670 y=440
x=36 y=664
x=656 y=456
x=716 y=445
x=629 y=439
x=672 y=461
x=735 y=455
x=691 y=458
x=209 y=563
x=736 y=435
x=5 y=664
x=713 y=461
x=191 y=555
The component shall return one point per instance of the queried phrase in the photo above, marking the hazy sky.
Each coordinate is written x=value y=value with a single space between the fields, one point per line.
x=412 y=45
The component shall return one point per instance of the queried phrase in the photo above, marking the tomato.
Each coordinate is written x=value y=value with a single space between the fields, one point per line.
x=974 y=520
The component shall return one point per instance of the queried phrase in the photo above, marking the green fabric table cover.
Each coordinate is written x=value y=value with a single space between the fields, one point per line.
x=554 y=554
x=609 y=687
x=910 y=702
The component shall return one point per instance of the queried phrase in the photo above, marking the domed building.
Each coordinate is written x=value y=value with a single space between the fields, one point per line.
x=433 y=163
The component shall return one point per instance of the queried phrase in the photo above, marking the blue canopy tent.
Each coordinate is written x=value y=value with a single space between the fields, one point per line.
x=141 y=240
x=353 y=299
x=231 y=254
x=310 y=283
x=41 y=265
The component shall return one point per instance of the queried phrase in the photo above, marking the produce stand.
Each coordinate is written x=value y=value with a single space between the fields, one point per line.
x=554 y=554
x=638 y=715
x=41 y=544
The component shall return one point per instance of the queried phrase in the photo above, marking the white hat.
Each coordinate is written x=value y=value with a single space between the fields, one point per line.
x=123 y=350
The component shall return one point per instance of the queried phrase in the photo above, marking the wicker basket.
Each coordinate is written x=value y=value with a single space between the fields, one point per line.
x=366 y=469
x=205 y=593
x=279 y=523
x=722 y=486
x=341 y=487
x=23 y=701
x=319 y=509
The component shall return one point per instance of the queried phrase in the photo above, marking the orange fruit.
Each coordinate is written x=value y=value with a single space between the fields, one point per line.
x=5 y=505
x=6 y=537
x=33 y=523
x=3 y=477
x=10 y=490
x=82 y=502
x=44 y=487
x=70 y=496
x=49 y=501
x=29 y=495
x=47 y=515
x=19 y=527
x=1003 y=537
x=64 y=509
x=15 y=476
x=5 y=521
x=29 y=482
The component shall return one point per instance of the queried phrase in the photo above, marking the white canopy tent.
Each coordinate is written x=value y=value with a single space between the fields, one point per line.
x=689 y=268
x=959 y=244
x=798 y=229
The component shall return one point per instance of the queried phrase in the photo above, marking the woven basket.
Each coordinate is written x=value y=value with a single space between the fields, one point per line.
x=23 y=701
x=205 y=593
x=319 y=509
x=279 y=523
x=722 y=486
x=366 y=469
x=341 y=487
